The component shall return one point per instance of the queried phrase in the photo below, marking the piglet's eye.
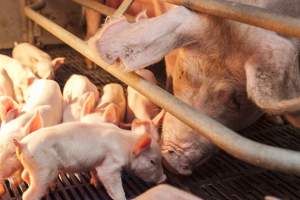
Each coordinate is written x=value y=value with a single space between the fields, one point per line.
x=152 y=162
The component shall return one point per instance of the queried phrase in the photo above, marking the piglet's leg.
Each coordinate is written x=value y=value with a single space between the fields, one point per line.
x=39 y=182
x=111 y=179
x=143 y=43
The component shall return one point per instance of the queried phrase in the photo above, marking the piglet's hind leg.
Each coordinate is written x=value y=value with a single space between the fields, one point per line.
x=39 y=182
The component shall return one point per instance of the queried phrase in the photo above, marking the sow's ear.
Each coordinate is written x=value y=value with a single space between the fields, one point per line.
x=273 y=82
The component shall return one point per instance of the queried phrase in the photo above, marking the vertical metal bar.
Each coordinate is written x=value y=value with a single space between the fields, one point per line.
x=265 y=156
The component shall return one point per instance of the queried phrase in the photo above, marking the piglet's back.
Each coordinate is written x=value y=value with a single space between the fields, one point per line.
x=73 y=135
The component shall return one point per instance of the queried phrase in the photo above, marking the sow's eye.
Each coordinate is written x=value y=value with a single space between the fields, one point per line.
x=152 y=162
x=171 y=151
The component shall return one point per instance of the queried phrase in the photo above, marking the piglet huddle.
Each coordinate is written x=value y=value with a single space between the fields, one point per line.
x=45 y=132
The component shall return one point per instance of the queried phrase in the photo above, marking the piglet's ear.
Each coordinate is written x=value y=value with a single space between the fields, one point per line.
x=88 y=105
x=9 y=109
x=140 y=126
x=30 y=80
x=57 y=63
x=158 y=119
x=35 y=123
x=142 y=144
x=145 y=127
x=111 y=114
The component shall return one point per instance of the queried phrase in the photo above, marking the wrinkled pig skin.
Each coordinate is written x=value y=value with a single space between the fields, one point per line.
x=21 y=76
x=166 y=192
x=47 y=104
x=80 y=96
x=230 y=71
x=60 y=148
x=40 y=63
x=139 y=106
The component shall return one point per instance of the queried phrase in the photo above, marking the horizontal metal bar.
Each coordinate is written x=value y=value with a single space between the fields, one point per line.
x=244 y=13
x=265 y=156
x=101 y=8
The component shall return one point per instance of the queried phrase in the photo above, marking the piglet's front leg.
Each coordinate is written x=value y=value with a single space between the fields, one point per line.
x=143 y=43
x=110 y=176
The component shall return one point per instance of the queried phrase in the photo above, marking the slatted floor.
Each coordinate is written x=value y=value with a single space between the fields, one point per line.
x=222 y=178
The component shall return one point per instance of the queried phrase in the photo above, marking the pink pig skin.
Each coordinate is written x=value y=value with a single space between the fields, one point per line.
x=47 y=104
x=21 y=76
x=80 y=96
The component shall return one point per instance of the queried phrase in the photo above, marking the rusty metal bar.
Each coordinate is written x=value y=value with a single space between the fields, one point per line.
x=122 y=8
x=101 y=8
x=261 y=155
x=244 y=13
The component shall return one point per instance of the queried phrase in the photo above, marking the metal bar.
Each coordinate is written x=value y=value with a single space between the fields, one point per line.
x=122 y=8
x=244 y=13
x=265 y=156
x=101 y=8
x=24 y=20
